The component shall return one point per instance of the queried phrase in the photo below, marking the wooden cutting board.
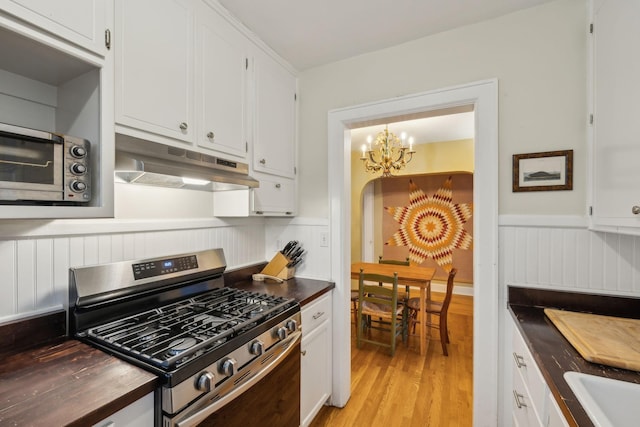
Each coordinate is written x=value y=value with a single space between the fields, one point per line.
x=611 y=341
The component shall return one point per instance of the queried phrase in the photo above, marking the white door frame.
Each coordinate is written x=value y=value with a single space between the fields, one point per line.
x=483 y=96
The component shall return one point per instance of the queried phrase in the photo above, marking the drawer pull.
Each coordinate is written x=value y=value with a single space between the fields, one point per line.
x=318 y=315
x=519 y=360
x=519 y=403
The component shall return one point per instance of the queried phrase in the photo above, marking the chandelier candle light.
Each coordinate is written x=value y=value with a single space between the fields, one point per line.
x=391 y=152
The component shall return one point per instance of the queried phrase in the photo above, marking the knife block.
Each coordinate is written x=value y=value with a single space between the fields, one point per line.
x=277 y=267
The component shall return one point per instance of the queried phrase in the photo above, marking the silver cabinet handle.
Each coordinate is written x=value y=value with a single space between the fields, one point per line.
x=184 y=126
x=318 y=315
x=519 y=360
x=211 y=135
x=635 y=210
x=519 y=400
x=277 y=185
x=263 y=161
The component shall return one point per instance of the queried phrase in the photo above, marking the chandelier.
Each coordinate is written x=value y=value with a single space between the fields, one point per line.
x=388 y=152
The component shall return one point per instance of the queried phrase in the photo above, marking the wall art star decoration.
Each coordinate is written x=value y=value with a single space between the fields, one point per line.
x=432 y=226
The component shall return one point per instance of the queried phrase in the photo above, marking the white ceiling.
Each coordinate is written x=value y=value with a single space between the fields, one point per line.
x=308 y=33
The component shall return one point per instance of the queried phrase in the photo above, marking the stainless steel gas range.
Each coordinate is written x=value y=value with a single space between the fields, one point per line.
x=224 y=355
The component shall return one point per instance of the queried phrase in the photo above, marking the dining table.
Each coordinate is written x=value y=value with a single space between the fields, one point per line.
x=410 y=275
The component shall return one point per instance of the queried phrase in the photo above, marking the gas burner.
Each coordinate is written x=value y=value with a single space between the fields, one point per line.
x=180 y=345
x=148 y=334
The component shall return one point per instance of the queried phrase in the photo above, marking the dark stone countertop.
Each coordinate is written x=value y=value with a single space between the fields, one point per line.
x=551 y=350
x=47 y=379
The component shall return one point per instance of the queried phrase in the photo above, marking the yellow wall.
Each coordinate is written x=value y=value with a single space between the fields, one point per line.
x=429 y=158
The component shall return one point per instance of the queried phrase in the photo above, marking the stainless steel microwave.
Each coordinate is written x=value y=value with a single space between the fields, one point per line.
x=38 y=166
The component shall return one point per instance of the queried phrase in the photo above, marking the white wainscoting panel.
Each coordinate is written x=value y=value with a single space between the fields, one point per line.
x=34 y=269
x=569 y=258
x=307 y=231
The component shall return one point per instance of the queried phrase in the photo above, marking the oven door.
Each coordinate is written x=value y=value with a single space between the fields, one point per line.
x=268 y=393
x=30 y=165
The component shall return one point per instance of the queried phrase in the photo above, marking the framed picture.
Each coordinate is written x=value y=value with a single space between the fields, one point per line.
x=549 y=171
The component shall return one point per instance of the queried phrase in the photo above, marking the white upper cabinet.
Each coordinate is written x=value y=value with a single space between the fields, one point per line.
x=274 y=142
x=81 y=22
x=616 y=90
x=154 y=68
x=221 y=81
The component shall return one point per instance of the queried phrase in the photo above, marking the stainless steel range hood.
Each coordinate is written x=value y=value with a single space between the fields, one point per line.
x=144 y=162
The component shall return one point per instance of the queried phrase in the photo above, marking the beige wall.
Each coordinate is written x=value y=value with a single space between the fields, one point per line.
x=429 y=158
x=539 y=58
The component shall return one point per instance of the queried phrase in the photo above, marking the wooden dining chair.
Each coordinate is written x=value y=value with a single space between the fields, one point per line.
x=406 y=262
x=438 y=308
x=379 y=309
x=354 y=304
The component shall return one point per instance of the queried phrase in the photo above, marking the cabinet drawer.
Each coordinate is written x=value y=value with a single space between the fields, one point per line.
x=316 y=312
x=523 y=408
x=527 y=371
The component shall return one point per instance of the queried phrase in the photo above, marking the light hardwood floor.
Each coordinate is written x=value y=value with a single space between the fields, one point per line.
x=409 y=389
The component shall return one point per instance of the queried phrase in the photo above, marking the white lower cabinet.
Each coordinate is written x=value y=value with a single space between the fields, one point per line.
x=556 y=419
x=532 y=402
x=139 y=413
x=315 y=382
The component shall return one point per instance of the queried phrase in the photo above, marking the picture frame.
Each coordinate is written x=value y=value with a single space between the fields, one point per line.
x=546 y=171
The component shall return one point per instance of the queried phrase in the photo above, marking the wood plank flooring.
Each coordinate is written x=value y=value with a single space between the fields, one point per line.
x=409 y=389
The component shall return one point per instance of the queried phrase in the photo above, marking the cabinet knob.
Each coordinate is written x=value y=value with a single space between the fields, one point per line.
x=278 y=185
x=263 y=161
x=635 y=210
x=184 y=126
x=211 y=135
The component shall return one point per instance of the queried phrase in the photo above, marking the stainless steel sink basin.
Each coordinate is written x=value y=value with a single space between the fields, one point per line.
x=608 y=402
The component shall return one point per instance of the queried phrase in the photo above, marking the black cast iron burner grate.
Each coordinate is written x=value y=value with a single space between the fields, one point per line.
x=174 y=334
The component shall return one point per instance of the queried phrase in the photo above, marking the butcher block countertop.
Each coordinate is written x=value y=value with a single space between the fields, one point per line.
x=553 y=353
x=63 y=382
x=47 y=379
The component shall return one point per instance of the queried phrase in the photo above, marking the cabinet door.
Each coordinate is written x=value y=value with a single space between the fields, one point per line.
x=82 y=22
x=616 y=148
x=275 y=118
x=154 y=66
x=275 y=196
x=139 y=413
x=315 y=381
x=221 y=75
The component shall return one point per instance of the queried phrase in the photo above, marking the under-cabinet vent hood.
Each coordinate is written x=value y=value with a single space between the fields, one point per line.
x=144 y=162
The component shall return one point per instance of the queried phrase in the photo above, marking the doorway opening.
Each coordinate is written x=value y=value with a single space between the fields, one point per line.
x=482 y=97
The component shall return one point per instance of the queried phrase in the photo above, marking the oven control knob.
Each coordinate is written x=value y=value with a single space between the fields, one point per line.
x=292 y=325
x=78 y=169
x=78 y=151
x=282 y=332
x=229 y=367
x=77 y=186
x=257 y=348
x=205 y=382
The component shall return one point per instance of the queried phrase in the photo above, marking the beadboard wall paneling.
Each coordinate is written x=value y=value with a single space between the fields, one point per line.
x=35 y=269
x=569 y=258
x=35 y=261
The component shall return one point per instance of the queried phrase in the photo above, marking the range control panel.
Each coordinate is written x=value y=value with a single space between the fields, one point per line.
x=155 y=268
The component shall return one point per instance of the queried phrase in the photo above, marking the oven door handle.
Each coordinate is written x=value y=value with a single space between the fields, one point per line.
x=285 y=347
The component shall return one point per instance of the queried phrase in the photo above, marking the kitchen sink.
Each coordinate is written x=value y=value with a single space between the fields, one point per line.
x=608 y=402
